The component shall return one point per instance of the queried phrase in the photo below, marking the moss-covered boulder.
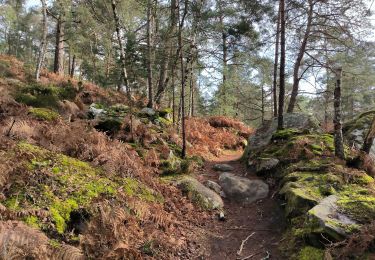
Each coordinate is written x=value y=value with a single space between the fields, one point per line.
x=263 y=136
x=334 y=223
x=200 y=194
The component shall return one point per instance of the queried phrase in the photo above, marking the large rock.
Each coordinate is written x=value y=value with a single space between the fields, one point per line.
x=333 y=223
x=355 y=130
x=266 y=165
x=148 y=111
x=200 y=194
x=242 y=189
x=263 y=135
x=222 y=168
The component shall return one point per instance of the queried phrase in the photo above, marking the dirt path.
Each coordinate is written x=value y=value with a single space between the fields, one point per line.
x=263 y=221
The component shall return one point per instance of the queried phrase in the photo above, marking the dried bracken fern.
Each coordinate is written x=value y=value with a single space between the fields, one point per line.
x=18 y=241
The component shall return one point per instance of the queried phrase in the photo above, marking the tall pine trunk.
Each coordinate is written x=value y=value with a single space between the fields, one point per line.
x=43 y=45
x=301 y=53
x=339 y=143
x=276 y=65
x=280 y=123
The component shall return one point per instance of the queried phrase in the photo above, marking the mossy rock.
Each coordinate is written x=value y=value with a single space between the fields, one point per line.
x=63 y=185
x=286 y=134
x=45 y=96
x=44 y=114
x=199 y=194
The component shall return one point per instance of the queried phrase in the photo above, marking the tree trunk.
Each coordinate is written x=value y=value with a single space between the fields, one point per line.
x=168 y=52
x=280 y=124
x=59 y=46
x=276 y=65
x=369 y=138
x=301 y=53
x=124 y=74
x=43 y=45
x=149 y=54
x=72 y=68
x=339 y=144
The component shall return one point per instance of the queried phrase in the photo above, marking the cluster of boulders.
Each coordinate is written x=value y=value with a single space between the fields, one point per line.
x=230 y=186
x=323 y=198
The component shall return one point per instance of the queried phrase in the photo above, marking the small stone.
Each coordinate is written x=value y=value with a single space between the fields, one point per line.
x=222 y=216
x=223 y=168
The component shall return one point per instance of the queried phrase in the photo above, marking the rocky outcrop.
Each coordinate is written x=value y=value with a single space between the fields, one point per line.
x=263 y=136
x=355 y=130
x=241 y=189
x=200 y=194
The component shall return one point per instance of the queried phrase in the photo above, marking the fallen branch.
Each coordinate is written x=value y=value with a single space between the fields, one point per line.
x=239 y=252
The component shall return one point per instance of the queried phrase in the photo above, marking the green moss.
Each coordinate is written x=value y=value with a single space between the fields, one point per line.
x=12 y=203
x=357 y=202
x=68 y=184
x=286 y=134
x=44 y=114
x=32 y=221
x=132 y=187
x=311 y=253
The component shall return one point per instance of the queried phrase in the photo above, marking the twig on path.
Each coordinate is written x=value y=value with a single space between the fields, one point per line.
x=239 y=252
x=250 y=256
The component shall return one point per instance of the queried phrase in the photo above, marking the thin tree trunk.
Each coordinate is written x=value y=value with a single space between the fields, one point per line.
x=124 y=74
x=59 y=46
x=43 y=46
x=369 y=140
x=173 y=97
x=339 y=144
x=301 y=53
x=149 y=54
x=282 y=66
x=72 y=69
x=276 y=65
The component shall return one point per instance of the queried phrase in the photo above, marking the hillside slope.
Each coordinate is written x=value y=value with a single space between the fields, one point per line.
x=81 y=171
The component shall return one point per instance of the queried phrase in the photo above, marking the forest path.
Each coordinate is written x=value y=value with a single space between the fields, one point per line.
x=262 y=221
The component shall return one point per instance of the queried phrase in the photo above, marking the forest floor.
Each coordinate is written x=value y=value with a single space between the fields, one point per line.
x=262 y=222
